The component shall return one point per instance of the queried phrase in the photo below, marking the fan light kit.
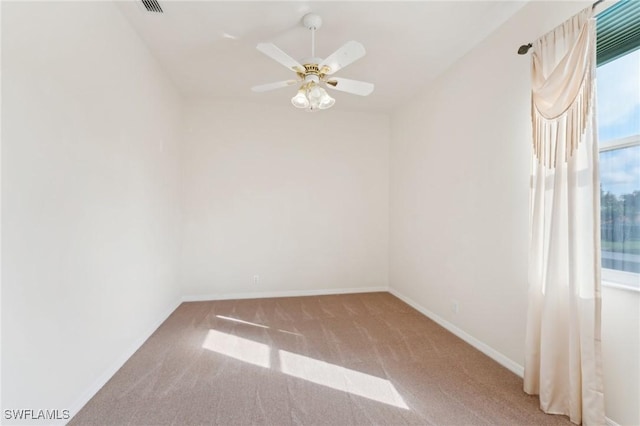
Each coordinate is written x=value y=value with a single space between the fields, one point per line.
x=314 y=72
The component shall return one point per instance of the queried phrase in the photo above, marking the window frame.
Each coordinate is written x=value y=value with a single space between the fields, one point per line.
x=617 y=35
x=613 y=277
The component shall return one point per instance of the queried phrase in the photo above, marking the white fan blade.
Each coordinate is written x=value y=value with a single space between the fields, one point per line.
x=356 y=87
x=272 y=86
x=274 y=52
x=350 y=52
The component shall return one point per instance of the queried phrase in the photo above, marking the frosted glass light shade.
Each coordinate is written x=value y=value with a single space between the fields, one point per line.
x=300 y=100
x=316 y=93
x=326 y=101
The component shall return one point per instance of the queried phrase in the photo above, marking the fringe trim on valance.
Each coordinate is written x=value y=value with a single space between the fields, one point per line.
x=572 y=123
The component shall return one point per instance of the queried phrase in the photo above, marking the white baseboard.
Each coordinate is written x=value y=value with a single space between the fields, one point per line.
x=479 y=345
x=287 y=293
x=109 y=372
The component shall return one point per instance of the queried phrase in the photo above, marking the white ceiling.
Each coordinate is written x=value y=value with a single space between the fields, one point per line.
x=208 y=47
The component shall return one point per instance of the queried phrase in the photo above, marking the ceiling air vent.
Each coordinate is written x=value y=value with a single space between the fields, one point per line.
x=152 y=6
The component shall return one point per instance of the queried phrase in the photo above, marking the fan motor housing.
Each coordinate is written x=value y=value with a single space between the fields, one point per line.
x=312 y=67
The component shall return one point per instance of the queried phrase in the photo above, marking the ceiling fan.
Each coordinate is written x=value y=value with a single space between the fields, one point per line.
x=314 y=72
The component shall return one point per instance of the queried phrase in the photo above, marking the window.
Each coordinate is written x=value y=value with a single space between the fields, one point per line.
x=618 y=80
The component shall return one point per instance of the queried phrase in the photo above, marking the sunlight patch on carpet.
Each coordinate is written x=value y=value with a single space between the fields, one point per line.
x=241 y=321
x=340 y=378
x=303 y=367
x=238 y=347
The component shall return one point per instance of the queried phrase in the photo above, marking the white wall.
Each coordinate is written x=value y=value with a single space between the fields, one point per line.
x=90 y=203
x=459 y=186
x=300 y=199
x=89 y=188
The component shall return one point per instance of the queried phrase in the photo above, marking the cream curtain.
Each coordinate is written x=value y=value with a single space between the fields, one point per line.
x=563 y=360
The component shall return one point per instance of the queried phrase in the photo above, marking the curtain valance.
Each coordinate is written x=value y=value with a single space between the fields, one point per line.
x=563 y=66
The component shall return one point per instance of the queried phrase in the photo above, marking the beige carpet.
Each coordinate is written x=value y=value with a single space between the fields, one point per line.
x=335 y=360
